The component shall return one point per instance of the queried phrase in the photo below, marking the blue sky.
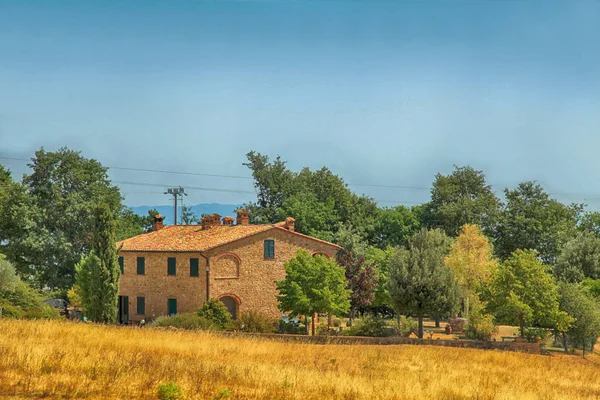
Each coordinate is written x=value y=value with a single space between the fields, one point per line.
x=381 y=92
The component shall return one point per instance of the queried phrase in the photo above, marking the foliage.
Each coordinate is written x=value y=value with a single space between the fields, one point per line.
x=481 y=327
x=593 y=286
x=8 y=275
x=74 y=297
x=216 y=312
x=369 y=326
x=381 y=259
x=361 y=279
x=98 y=274
x=52 y=215
x=532 y=220
x=313 y=285
x=579 y=258
x=590 y=222
x=188 y=216
x=23 y=301
x=129 y=224
x=189 y=321
x=524 y=293
x=395 y=226
x=351 y=241
x=420 y=284
x=319 y=200
x=289 y=327
x=170 y=391
x=461 y=198
x=532 y=334
x=406 y=326
x=472 y=263
x=576 y=301
x=254 y=322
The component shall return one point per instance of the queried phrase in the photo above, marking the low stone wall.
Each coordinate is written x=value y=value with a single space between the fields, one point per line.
x=532 y=348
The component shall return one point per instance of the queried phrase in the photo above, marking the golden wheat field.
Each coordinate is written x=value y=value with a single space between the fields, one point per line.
x=62 y=360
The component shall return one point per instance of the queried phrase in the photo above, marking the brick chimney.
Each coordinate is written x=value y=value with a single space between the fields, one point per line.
x=157 y=225
x=228 y=220
x=208 y=221
x=242 y=217
x=289 y=224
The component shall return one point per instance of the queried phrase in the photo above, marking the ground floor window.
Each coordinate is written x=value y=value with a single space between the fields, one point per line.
x=172 y=306
x=141 y=305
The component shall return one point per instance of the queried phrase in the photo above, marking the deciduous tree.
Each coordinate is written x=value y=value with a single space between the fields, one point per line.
x=532 y=220
x=579 y=258
x=577 y=302
x=313 y=285
x=523 y=293
x=420 y=284
x=472 y=262
x=462 y=197
x=362 y=280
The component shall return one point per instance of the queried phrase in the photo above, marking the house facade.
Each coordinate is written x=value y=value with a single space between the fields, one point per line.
x=175 y=269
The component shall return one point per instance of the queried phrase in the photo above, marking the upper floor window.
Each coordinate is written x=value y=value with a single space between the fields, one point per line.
x=269 y=248
x=122 y=265
x=194 y=267
x=141 y=265
x=171 y=266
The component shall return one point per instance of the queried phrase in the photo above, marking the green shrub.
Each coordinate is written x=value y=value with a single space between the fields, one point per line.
x=170 y=391
x=531 y=334
x=337 y=322
x=189 y=321
x=406 y=326
x=291 y=328
x=25 y=302
x=254 y=322
x=481 y=327
x=369 y=326
x=215 y=311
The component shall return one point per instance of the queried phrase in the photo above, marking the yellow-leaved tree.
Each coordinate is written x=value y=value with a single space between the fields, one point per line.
x=472 y=263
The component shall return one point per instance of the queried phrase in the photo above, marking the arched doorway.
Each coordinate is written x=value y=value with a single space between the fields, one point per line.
x=231 y=304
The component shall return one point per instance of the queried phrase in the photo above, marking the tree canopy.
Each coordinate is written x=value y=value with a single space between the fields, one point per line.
x=419 y=282
x=313 y=284
x=462 y=197
x=579 y=258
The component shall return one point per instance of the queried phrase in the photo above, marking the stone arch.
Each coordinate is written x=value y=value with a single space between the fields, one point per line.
x=320 y=253
x=227 y=266
x=232 y=302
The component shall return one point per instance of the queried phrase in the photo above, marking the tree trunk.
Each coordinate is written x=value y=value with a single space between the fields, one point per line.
x=521 y=326
x=437 y=322
x=466 y=307
x=306 y=324
x=566 y=346
x=351 y=317
x=420 y=332
x=313 y=325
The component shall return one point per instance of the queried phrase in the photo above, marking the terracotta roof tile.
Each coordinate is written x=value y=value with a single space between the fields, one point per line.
x=191 y=238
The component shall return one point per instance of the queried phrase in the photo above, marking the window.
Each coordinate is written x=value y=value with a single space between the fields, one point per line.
x=269 y=249
x=141 y=265
x=171 y=266
x=122 y=265
x=194 y=270
x=172 y=306
x=141 y=305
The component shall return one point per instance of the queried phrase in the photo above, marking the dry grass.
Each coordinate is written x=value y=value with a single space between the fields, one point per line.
x=67 y=360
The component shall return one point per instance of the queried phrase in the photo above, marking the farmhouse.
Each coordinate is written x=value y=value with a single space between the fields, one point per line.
x=175 y=269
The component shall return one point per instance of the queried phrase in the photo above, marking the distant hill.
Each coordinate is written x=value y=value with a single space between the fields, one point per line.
x=199 y=209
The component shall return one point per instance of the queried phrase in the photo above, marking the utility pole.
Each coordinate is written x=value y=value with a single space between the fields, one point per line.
x=175 y=192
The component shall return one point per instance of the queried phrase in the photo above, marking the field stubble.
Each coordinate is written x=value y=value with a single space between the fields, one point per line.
x=49 y=359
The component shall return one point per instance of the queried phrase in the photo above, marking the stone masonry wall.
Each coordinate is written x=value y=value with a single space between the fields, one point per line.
x=238 y=269
x=254 y=288
x=156 y=286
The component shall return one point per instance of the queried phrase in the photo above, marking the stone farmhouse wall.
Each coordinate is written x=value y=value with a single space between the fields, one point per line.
x=237 y=269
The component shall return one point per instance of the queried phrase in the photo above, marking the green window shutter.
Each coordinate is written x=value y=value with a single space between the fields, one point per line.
x=172 y=306
x=141 y=305
x=122 y=265
x=172 y=266
x=194 y=270
x=269 y=248
x=141 y=265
